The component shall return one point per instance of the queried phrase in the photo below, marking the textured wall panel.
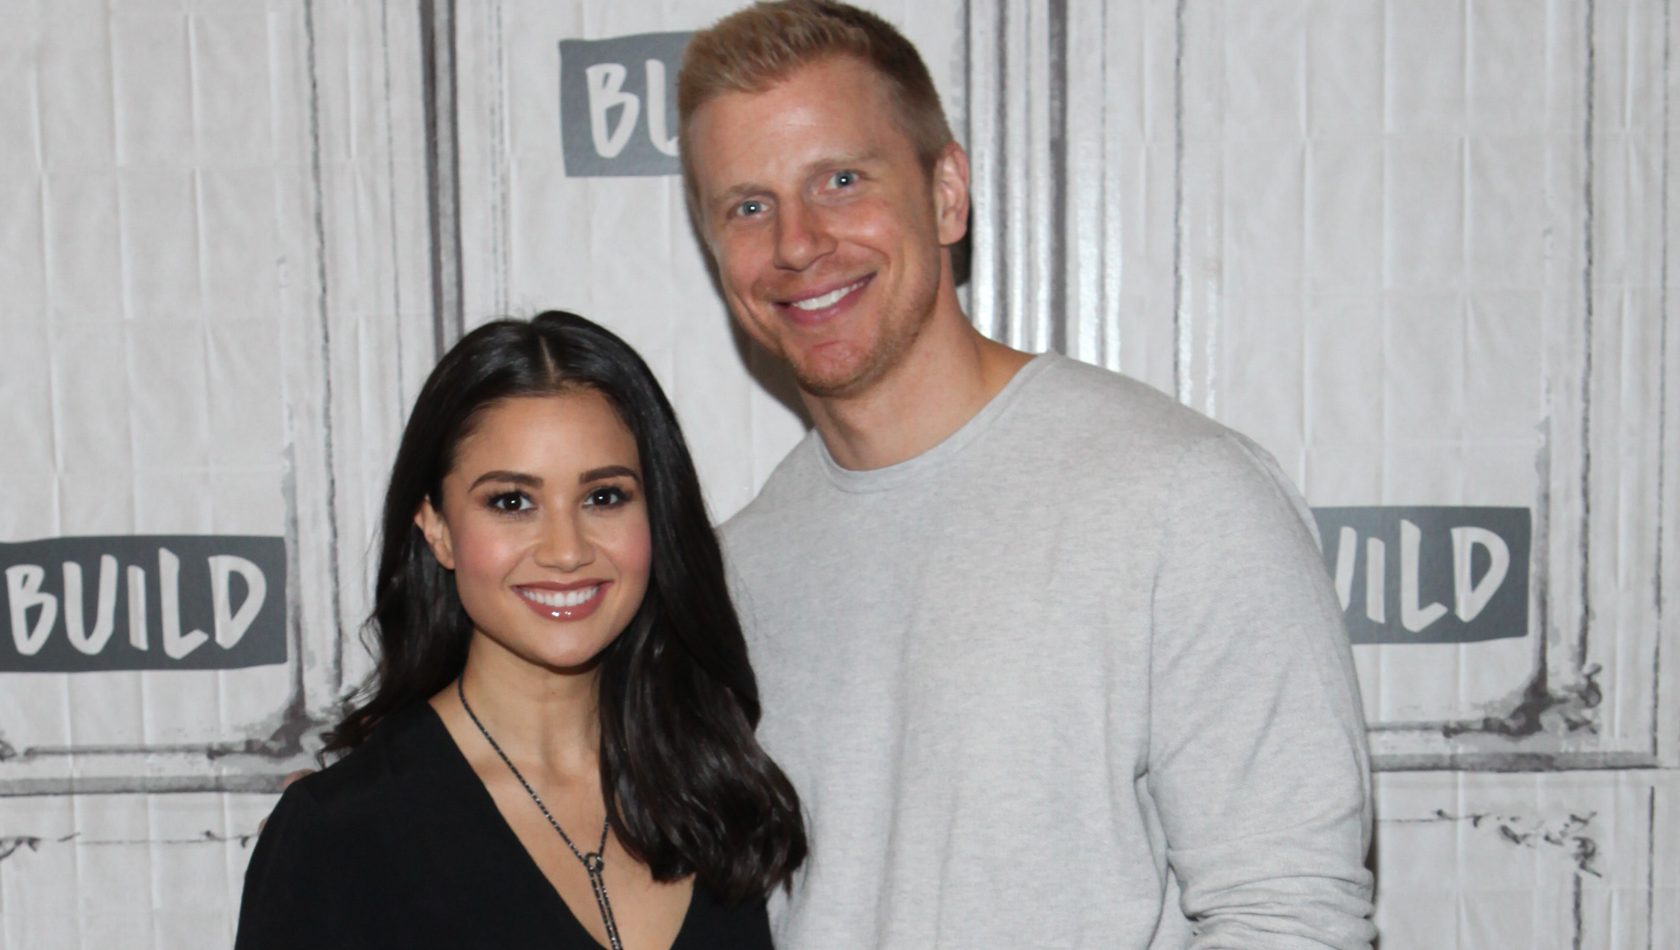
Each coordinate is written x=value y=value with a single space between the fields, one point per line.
x=1536 y=861
x=1417 y=248
x=1408 y=272
x=217 y=312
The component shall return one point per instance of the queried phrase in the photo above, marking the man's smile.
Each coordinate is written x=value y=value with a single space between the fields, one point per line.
x=822 y=304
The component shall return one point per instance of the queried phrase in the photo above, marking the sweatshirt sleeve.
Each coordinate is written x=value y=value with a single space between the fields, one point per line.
x=1257 y=752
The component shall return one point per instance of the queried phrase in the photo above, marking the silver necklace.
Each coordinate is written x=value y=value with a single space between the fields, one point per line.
x=591 y=861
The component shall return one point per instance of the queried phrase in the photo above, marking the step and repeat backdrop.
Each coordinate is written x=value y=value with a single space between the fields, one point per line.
x=1419 y=249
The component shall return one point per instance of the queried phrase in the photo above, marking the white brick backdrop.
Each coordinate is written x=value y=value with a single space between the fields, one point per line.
x=1419 y=249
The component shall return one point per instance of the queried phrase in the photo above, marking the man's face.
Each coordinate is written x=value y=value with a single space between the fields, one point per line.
x=828 y=231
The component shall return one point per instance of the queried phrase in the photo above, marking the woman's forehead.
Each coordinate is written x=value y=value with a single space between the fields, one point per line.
x=578 y=429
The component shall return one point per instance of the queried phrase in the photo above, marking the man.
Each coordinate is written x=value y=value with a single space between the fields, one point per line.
x=1052 y=660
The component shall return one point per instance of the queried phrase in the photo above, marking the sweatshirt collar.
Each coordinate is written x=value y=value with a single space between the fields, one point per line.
x=882 y=479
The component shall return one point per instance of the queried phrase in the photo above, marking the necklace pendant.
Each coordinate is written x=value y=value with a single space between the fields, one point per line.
x=593 y=863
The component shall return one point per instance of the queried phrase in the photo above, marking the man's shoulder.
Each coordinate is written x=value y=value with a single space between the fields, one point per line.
x=1122 y=432
x=1136 y=446
x=1083 y=391
x=789 y=482
x=1107 y=419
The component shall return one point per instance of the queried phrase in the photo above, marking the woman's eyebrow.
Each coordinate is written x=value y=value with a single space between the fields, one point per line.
x=608 y=471
x=518 y=478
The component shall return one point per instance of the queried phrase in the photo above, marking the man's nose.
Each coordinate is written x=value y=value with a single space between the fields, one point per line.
x=801 y=236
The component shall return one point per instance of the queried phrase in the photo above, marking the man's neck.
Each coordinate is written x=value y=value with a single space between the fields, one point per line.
x=944 y=380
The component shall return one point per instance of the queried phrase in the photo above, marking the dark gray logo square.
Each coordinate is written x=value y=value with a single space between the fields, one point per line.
x=142 y=602
x=1429 y=574
x=618 y=104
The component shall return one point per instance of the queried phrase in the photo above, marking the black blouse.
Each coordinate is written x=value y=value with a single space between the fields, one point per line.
x=399 y=845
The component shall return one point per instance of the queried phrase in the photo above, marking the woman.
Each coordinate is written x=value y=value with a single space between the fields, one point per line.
x=557 y=749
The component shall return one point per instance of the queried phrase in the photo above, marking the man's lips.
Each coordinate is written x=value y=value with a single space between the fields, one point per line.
x=822 y=304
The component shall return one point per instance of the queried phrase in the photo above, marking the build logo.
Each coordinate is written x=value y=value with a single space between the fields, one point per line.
x=129 y=602
x=618 y=104
x=1429 y=575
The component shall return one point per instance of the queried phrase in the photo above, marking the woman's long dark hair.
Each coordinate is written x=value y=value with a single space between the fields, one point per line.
x=688 y=790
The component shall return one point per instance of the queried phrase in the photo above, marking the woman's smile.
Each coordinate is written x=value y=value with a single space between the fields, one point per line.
x=564 y=603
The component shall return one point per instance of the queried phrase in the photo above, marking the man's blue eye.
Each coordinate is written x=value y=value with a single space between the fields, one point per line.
x=843 y=179
x=749 y=208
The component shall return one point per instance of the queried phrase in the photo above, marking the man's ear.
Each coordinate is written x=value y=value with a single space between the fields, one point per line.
x=950 y=193
x=431 y=524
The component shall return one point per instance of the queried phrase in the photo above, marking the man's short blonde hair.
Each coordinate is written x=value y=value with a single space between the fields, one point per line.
x=754 y=48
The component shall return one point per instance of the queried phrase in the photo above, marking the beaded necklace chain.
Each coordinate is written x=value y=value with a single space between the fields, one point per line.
x=591 y=861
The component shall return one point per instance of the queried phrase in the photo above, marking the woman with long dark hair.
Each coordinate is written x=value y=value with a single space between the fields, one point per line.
x=557 y=746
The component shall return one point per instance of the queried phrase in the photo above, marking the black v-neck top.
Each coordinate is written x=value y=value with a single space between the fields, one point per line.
x=399 y=845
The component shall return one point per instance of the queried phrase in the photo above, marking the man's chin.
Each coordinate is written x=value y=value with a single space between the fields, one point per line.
x=841 y=370
x=834 y=379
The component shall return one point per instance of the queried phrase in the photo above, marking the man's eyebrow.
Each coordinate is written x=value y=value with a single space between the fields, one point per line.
x=501 y=475
x=609 y=471
x=735 y=193
x=854 y=158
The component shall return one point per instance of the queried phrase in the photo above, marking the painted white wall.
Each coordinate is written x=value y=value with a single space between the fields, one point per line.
x=214 y=261
x=1366 y=232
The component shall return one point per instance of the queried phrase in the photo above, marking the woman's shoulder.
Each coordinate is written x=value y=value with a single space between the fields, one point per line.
x=334 y=846
x=344 y=808
x=402 y=751
x=322 y=807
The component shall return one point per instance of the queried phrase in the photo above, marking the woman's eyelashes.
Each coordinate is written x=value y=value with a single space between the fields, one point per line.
x=509 y=502
x=608 y=496
x=518 y=502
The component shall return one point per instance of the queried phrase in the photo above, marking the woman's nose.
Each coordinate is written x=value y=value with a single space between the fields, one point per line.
x=564 y=544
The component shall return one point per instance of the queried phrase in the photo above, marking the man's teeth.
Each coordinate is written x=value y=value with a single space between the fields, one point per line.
x=559 y=598
x=826 y=300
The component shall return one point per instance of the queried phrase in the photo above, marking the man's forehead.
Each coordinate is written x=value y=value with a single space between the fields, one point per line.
x=827 y=106
x=836 y=79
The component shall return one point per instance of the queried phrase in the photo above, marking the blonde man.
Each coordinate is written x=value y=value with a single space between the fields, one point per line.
x=1051 y=659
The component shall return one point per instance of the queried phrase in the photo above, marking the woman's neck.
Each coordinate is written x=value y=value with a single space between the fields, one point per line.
x=545 y=720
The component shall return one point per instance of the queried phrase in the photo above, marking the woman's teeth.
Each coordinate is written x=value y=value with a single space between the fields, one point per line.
x=559 y=598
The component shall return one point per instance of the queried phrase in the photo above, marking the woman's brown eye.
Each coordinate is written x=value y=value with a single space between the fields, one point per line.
x=509 y=502
x=606 y=497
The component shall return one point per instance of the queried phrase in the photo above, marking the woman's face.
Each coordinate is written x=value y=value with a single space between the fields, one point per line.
x=545 y=525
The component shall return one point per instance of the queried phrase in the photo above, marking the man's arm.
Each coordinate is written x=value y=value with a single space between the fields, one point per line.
x=1257 y=760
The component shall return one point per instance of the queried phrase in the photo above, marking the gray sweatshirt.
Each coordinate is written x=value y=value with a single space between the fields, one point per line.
x=1075 y=677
